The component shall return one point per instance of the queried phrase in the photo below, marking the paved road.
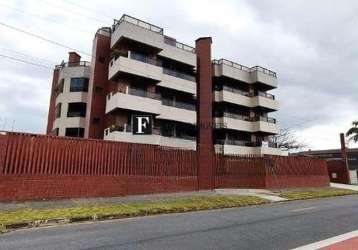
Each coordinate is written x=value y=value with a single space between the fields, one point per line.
x=275 y=226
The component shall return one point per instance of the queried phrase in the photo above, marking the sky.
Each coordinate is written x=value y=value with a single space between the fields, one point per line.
x=312 y=45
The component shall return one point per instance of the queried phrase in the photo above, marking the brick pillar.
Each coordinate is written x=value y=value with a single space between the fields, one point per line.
x=204 y=144
x=73 y=57
x=344 y=155
x=99 y=85
x=51 y=111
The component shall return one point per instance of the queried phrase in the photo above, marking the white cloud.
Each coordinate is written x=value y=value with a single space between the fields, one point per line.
x=314 y=53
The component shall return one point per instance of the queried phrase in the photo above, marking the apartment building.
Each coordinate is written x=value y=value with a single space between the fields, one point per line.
x=137 y=69
x=69 y=97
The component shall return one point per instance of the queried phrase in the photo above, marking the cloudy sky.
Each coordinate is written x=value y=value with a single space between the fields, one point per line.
x=312 y=45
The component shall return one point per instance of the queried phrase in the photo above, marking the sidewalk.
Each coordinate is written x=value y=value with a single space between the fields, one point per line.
x=76 y=202
x=344 y=186
x=67 y=203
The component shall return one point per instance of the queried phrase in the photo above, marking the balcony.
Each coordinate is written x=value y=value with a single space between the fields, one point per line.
x=143 y=101
x=242 y=73
x=179 y=81
x=178 y=51
x=135 y=64
x=177 y=111
x=69 y=122
x=123 y=134
x=233 y=147
x=243 y=98
x=245 y=123
x=137 y=30
x=133 y=99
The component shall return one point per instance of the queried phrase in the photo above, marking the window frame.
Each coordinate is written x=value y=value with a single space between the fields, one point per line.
x=83 y=87
x=81 y=113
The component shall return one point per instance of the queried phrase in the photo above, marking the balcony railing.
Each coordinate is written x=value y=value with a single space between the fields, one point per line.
x=144 y=58
x=246 y=93
x=143 y=93
x=244 y=68
x=237 y=91
x=238 y=143
x=177 y=104
x=136 y=92
x=175 y=43
x=138 y=22
x=266 y=95
x=244 y=143
x=74 y=64
x=155 y=131
x=249 y=119
x=237 y=116
x=264 y=119
x=179 y=74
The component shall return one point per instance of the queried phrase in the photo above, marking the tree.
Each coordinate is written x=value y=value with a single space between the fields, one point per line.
x=352 y=133
x=287 y=141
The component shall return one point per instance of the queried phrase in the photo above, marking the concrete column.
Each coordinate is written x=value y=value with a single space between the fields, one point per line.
x=204 y=144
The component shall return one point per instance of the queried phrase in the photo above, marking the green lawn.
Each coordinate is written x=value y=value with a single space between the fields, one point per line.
x=130 y=210
x=315 y=193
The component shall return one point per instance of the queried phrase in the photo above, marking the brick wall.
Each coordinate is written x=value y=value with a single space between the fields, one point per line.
x=337 y=168
x=50 y=167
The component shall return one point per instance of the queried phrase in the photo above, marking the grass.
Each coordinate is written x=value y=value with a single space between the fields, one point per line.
x=129 y=210
x=315 y=193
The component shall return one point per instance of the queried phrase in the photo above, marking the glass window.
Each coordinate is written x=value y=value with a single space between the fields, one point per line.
x=58 y=110
x=76 y=109
x=79 y=85
x=60 y=85
x=75 y=132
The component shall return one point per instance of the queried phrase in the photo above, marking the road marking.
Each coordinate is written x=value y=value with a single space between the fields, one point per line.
x=328 y=242
x=303 y=209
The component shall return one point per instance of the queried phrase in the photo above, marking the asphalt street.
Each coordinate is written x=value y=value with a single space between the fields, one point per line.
x=275 y=226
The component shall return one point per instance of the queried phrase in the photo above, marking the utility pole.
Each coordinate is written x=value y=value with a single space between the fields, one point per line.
x=344 y=155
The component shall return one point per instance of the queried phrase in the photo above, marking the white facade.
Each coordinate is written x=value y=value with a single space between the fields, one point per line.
x=149 y=105
x=150 y=139
x=66 y=96
x=152 y=37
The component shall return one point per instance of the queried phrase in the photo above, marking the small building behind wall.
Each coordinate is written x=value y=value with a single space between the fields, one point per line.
x=335 y=163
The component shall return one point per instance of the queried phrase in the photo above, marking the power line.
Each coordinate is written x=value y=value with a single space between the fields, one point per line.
x=24 y=61
x=25 y=13
x=86 y=8
x=77 y=13
x=26 y=55
x=43 y=38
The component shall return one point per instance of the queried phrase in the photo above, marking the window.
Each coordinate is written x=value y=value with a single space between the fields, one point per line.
x=75 y=132
x=60 y=85
x=79 y=85
x=76 y=109
x=56 y=131
x=58 y=110
x=167 y=129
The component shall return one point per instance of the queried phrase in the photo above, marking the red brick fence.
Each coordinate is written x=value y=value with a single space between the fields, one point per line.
x=39 y=167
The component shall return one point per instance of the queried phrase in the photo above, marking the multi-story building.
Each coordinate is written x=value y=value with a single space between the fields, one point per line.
x=136 y=69
x=69 y=97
